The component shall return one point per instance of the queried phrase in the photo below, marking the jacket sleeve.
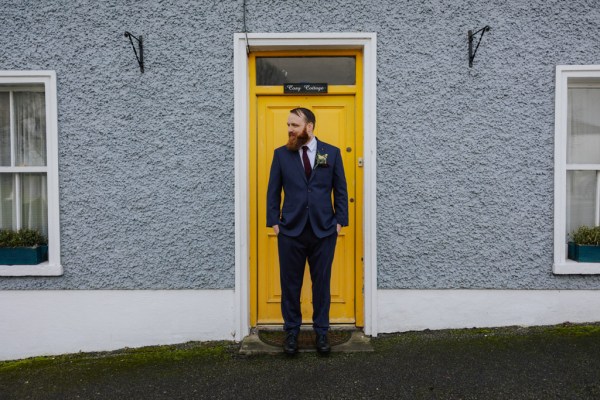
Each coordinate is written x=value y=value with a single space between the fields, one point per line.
x=274 y=192
x=340 y=191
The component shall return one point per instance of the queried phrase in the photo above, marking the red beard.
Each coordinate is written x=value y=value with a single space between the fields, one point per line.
x=295 y=142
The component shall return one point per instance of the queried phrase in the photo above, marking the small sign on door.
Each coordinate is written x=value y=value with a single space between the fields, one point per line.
x=291 y=88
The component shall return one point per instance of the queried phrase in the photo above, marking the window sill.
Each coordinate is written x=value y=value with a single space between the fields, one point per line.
x=43 y=269
x=569 y=267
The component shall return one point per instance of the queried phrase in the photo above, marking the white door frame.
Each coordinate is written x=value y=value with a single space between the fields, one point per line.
x=303 y=41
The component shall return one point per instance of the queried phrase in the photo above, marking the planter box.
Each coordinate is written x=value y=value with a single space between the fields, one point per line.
x=23 y=255
x=583 y=253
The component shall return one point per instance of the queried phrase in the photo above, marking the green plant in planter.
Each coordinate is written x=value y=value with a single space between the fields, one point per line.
x=585 y=244
x=21 y=238
x=22 y=247
x=586 y=235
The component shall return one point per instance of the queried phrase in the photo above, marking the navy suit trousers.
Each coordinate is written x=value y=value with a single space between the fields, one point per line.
x=293 y=254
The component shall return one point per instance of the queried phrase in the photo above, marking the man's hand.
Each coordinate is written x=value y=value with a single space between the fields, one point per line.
x=276 y=229
x=339 y=228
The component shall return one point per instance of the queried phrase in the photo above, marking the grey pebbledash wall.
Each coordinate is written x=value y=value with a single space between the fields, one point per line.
x=465 y=156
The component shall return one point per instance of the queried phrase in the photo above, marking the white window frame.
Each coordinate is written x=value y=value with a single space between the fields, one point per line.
x=562 y=265
x=52 y=267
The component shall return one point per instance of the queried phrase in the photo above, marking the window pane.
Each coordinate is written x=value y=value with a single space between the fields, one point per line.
x=330 y=70
x=4 y=129
x=583 y=128
x=30 y=128
x=581 y=199
x=7 y=204
x=34 y=212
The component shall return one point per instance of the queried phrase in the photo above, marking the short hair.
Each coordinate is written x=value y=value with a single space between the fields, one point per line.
x=306 y=114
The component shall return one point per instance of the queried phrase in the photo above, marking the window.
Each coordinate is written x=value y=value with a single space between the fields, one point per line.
x=309 y=69
x=577 y=161
x=29 y=163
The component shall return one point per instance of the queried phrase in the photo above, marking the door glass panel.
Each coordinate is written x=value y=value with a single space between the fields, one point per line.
x=272 y=71
x=583 y=128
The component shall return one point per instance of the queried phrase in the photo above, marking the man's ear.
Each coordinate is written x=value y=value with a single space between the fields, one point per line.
x=310 y=127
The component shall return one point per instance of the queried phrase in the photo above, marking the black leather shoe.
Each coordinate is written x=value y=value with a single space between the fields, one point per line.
x=323 y=346
x=290 y=346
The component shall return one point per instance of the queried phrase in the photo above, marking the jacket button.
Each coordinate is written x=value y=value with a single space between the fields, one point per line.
x=309 y=190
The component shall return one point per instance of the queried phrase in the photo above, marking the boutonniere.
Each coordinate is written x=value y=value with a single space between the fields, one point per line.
x=321 y=160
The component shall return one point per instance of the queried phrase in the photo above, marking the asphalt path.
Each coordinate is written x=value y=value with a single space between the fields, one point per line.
x=557 y=362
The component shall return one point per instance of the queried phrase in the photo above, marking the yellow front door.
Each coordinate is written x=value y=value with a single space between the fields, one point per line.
x=337 y=125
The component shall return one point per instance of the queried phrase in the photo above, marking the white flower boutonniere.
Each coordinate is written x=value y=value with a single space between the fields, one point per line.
x=321 y=160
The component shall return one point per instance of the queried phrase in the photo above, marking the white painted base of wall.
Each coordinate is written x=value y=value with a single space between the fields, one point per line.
x=408 y=310
x=34 y=323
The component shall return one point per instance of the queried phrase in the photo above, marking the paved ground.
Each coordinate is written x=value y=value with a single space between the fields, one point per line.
x=509 y=363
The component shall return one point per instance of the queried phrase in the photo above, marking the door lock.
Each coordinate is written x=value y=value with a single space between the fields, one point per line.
x=361 y=162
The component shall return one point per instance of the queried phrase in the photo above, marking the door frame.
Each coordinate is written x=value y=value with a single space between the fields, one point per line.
x=367 y=42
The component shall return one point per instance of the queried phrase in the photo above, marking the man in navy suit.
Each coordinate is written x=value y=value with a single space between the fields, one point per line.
x=307 y=225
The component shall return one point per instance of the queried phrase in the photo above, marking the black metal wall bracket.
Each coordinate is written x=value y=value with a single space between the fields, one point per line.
x=471 y=34
x=140 y=41
x=246 y=31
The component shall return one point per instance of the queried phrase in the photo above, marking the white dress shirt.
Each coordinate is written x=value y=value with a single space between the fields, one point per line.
x=312 y=152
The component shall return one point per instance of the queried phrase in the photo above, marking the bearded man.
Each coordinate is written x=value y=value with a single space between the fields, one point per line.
x=307 y=225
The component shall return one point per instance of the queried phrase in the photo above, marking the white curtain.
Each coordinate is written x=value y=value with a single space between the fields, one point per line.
x=30 y=128
x=4 y=129
x=34 y=200
x=7 y=216
x=29 y=112
x=581 y=199
x=583 y=129
x=583 y=133
x=6 y=180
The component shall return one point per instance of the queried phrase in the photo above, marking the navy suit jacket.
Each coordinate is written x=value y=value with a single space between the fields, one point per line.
x=307 y=199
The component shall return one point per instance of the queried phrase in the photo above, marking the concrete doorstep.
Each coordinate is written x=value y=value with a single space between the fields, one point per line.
x=253 y=345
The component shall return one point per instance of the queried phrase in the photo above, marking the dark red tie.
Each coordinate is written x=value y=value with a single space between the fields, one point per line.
x=306 y=161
